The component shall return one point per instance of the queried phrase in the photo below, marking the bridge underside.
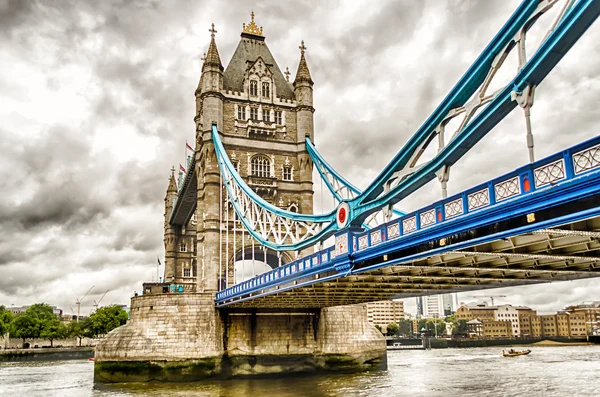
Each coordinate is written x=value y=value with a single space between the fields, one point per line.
x=546 y=255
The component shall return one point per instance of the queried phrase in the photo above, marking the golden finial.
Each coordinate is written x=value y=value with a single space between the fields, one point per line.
x=252 y=28
x=212 y=30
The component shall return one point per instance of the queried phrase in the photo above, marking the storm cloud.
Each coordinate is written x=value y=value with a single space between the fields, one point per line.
x=96 y=103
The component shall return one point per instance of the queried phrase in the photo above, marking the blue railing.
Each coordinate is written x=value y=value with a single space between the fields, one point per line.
x=543 y=174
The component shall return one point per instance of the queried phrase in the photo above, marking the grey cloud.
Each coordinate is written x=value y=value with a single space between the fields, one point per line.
x=105 y=216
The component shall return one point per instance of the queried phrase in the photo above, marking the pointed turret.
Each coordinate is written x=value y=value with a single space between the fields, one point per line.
x=169 y=234
x=172 y=184
x=211 y=84
x=303 y=91
x=212 y=56
x=303 y=74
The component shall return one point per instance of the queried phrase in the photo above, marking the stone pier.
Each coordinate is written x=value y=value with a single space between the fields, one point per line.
x=182 y=337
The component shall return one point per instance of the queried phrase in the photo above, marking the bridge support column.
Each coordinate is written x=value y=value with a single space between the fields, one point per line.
x=182 y=337
x=338 y=339
x=170 y=337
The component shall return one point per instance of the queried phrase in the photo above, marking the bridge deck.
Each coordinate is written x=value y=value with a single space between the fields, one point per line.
x=542 y=256
x=539 y=223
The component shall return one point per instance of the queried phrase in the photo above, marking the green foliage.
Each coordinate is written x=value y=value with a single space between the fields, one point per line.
x=392 y=329
x=459 y=328
x=6 y=318
x=77 y=329
x=31 y=324
x=106 y=319
x=404 y=327
x=54 y=329
x=379 y=328
x=436 y=327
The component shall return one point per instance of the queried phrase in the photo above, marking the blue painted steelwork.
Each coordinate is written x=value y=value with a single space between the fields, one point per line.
x=324 y=167
x=570 y=175
x=573 y=24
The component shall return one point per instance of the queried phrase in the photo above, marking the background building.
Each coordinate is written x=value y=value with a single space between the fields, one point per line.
x=385 y=312
x=435 y=306
x=577 y=321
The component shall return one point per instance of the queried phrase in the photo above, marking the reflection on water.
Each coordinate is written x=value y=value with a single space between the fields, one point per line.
x=548 y=371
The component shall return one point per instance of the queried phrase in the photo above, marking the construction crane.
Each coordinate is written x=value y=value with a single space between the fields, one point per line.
x=488 y=296
x=100 y=300
x=78 y=302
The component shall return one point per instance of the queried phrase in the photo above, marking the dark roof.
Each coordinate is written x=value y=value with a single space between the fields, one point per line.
x=246 y=53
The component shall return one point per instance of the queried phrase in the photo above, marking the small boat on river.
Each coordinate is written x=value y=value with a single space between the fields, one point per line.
x=514 y=353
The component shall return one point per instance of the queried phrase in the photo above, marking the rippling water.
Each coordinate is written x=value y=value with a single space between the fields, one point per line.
x=547 y=371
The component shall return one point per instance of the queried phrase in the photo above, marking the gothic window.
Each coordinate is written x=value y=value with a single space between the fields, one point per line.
x=293 y=207
x=182 y=247
x=254 y=114
x=265 y=90
x=236 y=165
x=278 y=117
x=266 y=115
x=261 y=166
x=287 y=173
x=241 y=113
x=253 y=87
x=187 y=272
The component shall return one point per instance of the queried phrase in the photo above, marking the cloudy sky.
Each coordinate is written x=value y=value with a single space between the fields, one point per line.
x=96 y=103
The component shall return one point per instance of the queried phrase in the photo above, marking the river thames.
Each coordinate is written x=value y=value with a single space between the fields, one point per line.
x=547 y=371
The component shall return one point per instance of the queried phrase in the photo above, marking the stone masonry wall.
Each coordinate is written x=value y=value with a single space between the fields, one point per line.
x=166 y=327
x=346 y=330
x=273 y=334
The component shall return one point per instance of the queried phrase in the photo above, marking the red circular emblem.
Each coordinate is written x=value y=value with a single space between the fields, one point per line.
x=342 y=215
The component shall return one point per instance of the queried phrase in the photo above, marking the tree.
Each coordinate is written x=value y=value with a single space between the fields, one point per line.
x=392 y=329
x=31 y=323
x=459 y=328
x=436 y=327
x=6 y=317
x=379 y=328
x=25 y=327
x=79 y=329
x=54 y=329
x=106 y=319
x=404 y=327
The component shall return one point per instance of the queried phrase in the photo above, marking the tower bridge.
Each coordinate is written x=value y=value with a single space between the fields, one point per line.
x=267 y=286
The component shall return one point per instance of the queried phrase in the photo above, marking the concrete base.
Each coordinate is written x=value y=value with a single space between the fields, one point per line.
x=182 y=337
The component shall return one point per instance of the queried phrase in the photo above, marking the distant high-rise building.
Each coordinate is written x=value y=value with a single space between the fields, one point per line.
x=385 y=312
x=419 y=305
x=448 y=304
x=435 y=305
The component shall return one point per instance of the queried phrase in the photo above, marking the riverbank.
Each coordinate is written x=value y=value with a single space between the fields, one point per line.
x=53 y=354
x=433 y=343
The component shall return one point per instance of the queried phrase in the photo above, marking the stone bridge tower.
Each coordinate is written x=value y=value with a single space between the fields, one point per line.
x=264 y=119
x=178 y=334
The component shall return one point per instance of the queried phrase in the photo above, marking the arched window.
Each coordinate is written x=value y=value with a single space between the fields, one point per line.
x=253 y=87
x=261 y=166
x=265 y=90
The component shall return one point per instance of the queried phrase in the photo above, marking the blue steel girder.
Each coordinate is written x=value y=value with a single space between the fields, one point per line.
x=557 y=190
x=327 y=172
x=382 y=192
x=557 y=44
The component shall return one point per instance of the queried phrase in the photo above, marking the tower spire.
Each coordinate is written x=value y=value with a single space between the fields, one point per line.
x=303 y=74
x=212 y=56
x=172 y=185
